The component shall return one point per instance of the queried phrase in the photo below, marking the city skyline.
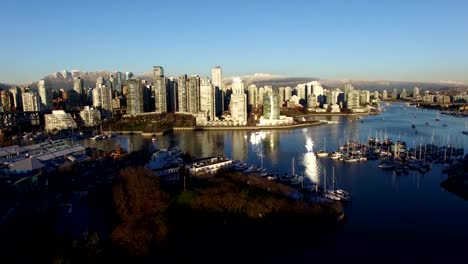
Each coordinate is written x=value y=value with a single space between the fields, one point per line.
x=389 y=40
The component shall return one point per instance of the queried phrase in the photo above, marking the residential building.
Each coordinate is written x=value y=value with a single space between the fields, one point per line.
x=160 y=94
x=59 y=120
x=238 y=103
x=91 y=116
x=31 y=101
x=6 y=100
x=17 y=99
x=193 y=94
x=134 y=97
x=207 y=98
x=182 y=93
x=45 y=94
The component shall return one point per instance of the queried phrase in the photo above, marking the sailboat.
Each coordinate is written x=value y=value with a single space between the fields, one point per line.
x=340 y=193
x=323 y=152
x=295 y=179
x=328 y=194
x=438 y=117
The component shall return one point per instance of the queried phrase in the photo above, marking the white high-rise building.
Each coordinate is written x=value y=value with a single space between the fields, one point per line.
x=384 y=94
x=46 y=95
x=353 y=99
x=217 y=77
x=91 y=116
x=301 y=91
x=260 y=93
x=207 y=98
x=416 y=92
x=17 y=99
x=102 y=98
x=364 y=97
x=31 y=102
x=238 y=104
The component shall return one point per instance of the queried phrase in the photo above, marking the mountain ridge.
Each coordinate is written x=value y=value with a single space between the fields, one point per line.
x=64 y=79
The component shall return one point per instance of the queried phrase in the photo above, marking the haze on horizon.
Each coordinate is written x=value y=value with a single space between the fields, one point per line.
x=367 y=40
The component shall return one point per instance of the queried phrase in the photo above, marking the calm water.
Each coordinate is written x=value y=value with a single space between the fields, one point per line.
x=391 y=218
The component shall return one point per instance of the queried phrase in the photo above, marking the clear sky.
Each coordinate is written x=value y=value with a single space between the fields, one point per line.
x=332 y=39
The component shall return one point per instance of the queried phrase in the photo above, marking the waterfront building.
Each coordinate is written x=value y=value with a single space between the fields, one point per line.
x=31 y=101
x=312 y=102
x=238 y=103
x=193 y=94
x=166 y=164
x=394 y=94
x=160 y=90
x=403 y=94
x=207 y=98
x=271 y=105
x=134 y=97
x=384 y=95
x=416 y=94
x=375 y=95
x=182 y=93
x=429 y=98
x=59 y=120
x=6 y=99
x=348 y=87
x=352 y=101
x=460 y=98
x=442 y=99
x=17 y=99
x=207 y=166
x=364 y=97
x=91 y=116
x=45 y=94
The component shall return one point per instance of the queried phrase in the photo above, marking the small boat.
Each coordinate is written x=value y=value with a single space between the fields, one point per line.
x=97 y=138
x=336 y=155
x=413 y=126
x=387 y=165
x=321 y=153
x=350 y=159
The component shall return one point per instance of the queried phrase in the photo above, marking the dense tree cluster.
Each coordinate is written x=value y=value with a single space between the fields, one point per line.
x=253 y=197
x=140 y=205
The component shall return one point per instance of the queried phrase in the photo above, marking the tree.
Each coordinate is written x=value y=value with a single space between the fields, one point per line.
x=140 y=205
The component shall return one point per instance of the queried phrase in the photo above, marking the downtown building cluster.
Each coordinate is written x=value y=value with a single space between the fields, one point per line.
x=212 y=101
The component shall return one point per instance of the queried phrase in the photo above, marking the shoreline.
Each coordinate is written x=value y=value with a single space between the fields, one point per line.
x=204 y=128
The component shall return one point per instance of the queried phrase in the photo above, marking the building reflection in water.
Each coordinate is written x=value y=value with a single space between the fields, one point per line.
x=312 y=167
x=239 y=145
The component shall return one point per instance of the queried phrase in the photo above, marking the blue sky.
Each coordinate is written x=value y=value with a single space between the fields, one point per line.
x=331 y=39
